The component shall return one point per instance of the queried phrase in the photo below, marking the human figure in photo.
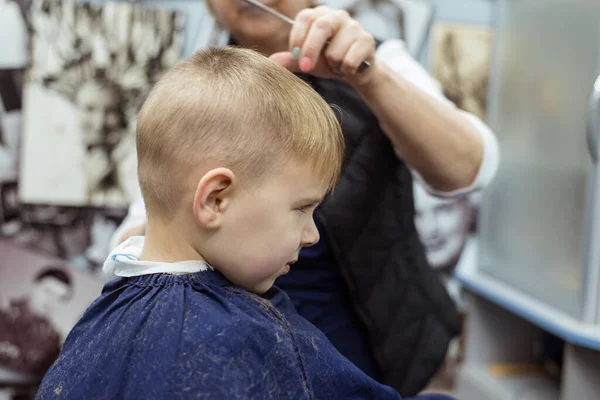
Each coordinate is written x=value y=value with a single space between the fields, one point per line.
x=9 y=207
x=101 y=59
x=443 y=225
x=448 y=69
x=463 y=71
x=6 y=155
x=60 y=231
x=29 y=342
x=10 y=124
x=10 y=106
x=101 y=125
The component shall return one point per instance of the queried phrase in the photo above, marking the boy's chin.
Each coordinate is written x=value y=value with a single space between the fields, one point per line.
x=263 y=287
x=266 y=284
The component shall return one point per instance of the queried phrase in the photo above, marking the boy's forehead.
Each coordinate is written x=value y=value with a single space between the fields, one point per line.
x=303 y=177
x=308 y=191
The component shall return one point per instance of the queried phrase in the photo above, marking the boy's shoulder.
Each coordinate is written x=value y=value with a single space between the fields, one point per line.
x=197 y=298
x=215 y=341
x=195 y=307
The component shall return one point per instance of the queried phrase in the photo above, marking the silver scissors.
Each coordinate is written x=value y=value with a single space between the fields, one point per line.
x=363 y=66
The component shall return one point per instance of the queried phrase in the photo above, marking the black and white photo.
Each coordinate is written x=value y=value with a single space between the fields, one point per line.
x=460 y=58
x=10 y=123
x=10 y=133
x=91 y=68
x=384 y=19
x=13 y=34
x=444 y=225
x=41 y=298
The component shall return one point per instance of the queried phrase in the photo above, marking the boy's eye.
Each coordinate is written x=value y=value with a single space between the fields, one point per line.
x=308 y=207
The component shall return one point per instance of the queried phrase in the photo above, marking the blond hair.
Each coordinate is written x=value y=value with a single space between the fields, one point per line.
x=233 y=108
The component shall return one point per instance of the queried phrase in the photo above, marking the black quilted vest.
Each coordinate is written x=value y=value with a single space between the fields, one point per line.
x=369 y=220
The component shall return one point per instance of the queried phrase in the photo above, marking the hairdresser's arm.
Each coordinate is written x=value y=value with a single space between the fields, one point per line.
x=395 y=56
x=432 y=136
x=441 y=144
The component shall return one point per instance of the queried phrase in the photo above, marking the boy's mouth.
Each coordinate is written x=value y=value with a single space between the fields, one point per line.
x=289 y=265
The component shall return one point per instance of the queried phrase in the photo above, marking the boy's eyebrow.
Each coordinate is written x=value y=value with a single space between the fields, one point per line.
x=311 y=200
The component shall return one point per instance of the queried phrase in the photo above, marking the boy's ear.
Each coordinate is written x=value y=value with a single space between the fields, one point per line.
x=212 y=197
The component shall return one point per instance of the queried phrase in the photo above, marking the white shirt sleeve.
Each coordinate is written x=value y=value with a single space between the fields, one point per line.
x=136 y=216
x=395 y=55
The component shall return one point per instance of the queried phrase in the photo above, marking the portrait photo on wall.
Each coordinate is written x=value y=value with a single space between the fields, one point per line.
x=13 y=34
x=10 y=123
x=384 y=19
x=460 y=59
x=10 y=132
x=444 y=226
x=41 y=299
x=91 y=67
x=79 y=235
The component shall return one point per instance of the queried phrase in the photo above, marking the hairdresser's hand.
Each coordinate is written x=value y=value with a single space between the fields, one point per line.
x=332 y=45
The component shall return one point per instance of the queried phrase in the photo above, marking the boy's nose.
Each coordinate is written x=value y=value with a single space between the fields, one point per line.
x=311 y=235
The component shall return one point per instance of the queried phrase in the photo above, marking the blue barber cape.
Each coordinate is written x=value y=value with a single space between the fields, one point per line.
x=197 y=336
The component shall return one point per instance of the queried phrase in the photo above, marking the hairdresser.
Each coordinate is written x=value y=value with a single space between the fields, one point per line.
x=367 y=284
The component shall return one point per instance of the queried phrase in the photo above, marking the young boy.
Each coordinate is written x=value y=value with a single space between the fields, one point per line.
x=234 y=155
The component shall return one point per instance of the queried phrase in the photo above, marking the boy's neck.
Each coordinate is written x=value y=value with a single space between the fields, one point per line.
x=166 y=244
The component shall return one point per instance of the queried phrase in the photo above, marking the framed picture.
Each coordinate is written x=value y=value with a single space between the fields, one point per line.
x=460 y=57
x=408 y=20
x=79 y=235
x=443 y=225
x=10 y=123
x=91 y=69
x=384 y=19
x=418 y=18
x=79 y=53
x=41 y=299
x=13 y=35
x=9 y=203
